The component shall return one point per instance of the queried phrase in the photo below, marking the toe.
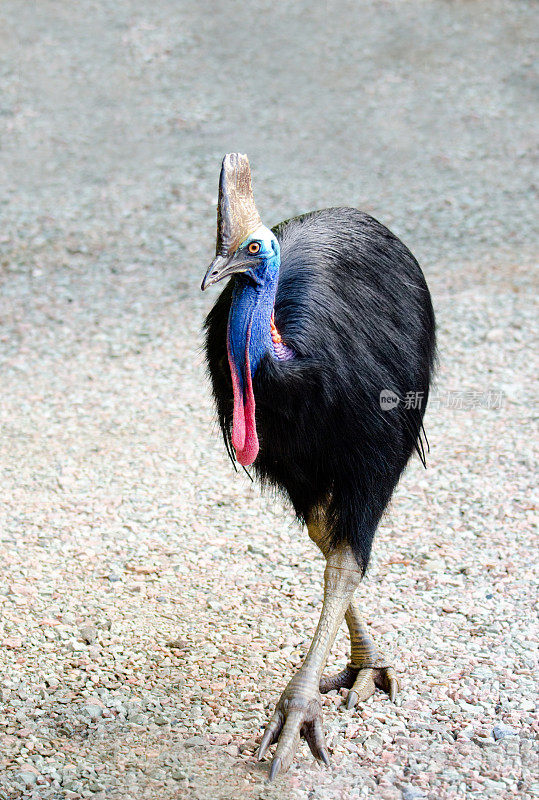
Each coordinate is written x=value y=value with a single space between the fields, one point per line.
x=270 y=734
x=288 y=743
x=343 y=679
x=386 y=679
x=363 y=687
x=314 y=736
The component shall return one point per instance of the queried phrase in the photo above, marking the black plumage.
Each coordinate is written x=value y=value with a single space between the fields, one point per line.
x=353 y=304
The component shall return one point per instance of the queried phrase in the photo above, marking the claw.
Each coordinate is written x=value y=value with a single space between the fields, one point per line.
x=314 y=736
x=345 y=678
x=324 y=756
x=362 y=683
x=270 y=734
x=392 y=683
x=289 y=739
x=352 y=699
x=274 y=769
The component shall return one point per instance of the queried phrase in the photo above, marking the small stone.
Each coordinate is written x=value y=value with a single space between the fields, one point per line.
x=482 y=672
x=195 y=741
x=92 y=710
x=257 y=551
x=495 y=786
x=451 y=775
x=410 y=792
x=178 y=774
x=74 y=645
x=510 y=744
x=178 y=644
x=28 y=775
x=12 y=642
x=373 y=742
x=249 y=746
x=495 y=335
x=88 y=634
x=223 y=738
x=501 y=730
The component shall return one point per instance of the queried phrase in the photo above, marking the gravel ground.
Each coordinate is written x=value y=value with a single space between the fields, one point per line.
x=153 y=603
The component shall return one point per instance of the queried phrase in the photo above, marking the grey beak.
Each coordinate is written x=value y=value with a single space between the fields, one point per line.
x=222 y=267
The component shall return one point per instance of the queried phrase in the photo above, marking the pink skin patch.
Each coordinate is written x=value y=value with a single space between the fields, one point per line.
x=244 y=437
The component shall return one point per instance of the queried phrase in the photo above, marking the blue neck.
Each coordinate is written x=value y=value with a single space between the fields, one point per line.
x=252 y=307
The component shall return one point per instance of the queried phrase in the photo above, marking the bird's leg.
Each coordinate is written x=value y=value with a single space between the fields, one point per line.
x=298 y=711
x=367 y=668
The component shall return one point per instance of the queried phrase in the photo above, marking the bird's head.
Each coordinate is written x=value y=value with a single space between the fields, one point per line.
x=244 y=244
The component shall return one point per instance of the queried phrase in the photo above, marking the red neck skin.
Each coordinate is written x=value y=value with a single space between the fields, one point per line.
x=244 y=436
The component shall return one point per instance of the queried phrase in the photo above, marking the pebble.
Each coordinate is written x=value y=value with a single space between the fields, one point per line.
x=501 y=731
x=88 y=633
x=373 y=742
x=411 y=793
x=92 y=710
x=28 y=776
x=196 y=741
x=95 y=786
x=178 y=774
x=179 y=644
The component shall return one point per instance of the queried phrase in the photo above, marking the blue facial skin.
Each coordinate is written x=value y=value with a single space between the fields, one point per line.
x=253 y=299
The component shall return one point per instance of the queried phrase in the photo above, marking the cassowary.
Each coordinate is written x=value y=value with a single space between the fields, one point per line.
x=326 y=316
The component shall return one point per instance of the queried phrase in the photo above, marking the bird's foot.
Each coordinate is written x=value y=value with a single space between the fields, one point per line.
x=298 y=713
x=362 y=682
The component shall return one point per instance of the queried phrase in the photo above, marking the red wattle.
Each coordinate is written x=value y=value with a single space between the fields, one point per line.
x=238 y=419
x=244 y=437
x=250 y=449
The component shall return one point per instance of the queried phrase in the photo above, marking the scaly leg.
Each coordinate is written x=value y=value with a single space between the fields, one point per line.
x=367 y=668
x=298 y=711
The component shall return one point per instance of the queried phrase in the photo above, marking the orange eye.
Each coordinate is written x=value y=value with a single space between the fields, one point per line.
x=254 y=248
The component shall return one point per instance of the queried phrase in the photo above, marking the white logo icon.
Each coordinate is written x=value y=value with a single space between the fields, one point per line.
x=388 y=400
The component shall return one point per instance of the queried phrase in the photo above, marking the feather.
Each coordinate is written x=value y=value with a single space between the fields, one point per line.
x=353 y=305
